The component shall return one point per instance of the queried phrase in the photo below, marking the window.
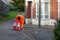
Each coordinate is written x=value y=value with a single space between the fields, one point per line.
x=37 y=8
x=37 y=15
x=59 y=10
x=46 y=16
x=59 y=6
x=44 y=10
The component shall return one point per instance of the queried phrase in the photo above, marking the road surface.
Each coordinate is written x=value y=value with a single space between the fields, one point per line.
x=28 y=33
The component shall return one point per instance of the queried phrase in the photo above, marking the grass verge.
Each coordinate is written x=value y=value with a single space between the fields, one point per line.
x=12 y=15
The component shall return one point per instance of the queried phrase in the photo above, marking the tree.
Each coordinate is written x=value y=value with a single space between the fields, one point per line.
x=18 y=4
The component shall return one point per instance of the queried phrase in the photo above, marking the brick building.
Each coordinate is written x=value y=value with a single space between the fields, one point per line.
x=50 y=11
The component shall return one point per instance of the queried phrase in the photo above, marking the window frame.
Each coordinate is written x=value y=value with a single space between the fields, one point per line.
x=43 y=9
x=58 y=10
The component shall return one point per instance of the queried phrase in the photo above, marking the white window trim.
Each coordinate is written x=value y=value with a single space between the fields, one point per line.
x=36 y=11
x=58 y=10
x=43 y=11
x=49 y=12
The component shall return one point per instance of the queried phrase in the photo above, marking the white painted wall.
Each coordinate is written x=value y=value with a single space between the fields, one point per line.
x=58 y=0
x=26 y=2
x=44 y=22
x=58 y=9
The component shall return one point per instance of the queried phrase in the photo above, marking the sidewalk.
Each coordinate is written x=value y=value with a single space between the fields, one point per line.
x=40 y=33
x=36 y=26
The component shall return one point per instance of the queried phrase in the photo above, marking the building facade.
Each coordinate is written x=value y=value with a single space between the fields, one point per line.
x=4 y=5
x=50 y=11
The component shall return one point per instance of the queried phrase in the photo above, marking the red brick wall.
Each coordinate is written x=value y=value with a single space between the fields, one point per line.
x=53 y=9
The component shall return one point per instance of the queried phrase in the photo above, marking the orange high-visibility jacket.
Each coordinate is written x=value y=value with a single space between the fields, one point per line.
x=21 y=20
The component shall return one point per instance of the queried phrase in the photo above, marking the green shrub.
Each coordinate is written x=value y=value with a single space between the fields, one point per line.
x=3 y=14
x=57 y=31
x=1 y=17
x=10 y=15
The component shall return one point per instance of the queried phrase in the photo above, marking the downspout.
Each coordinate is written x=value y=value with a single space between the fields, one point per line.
x=39 y=14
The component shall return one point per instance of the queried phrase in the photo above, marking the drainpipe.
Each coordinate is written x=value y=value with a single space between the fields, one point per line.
x=31 y=12
x=39 y=13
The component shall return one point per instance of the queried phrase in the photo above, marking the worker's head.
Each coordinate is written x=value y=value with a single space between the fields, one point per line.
x=18 y=18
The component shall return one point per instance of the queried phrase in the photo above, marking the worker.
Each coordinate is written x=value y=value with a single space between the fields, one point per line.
x=20 y=21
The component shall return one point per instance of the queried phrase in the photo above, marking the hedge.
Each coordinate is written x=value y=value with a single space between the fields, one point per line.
x=3 y=14
x=57 y=31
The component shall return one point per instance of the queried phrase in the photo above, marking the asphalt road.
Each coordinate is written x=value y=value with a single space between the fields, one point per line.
x=7 y=32
x=28 y=33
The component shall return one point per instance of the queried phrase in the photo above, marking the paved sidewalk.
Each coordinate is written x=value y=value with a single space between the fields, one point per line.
x=46 y=26
x=41 y=33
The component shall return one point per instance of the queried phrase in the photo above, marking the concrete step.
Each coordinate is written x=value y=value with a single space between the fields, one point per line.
x=45 y=26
